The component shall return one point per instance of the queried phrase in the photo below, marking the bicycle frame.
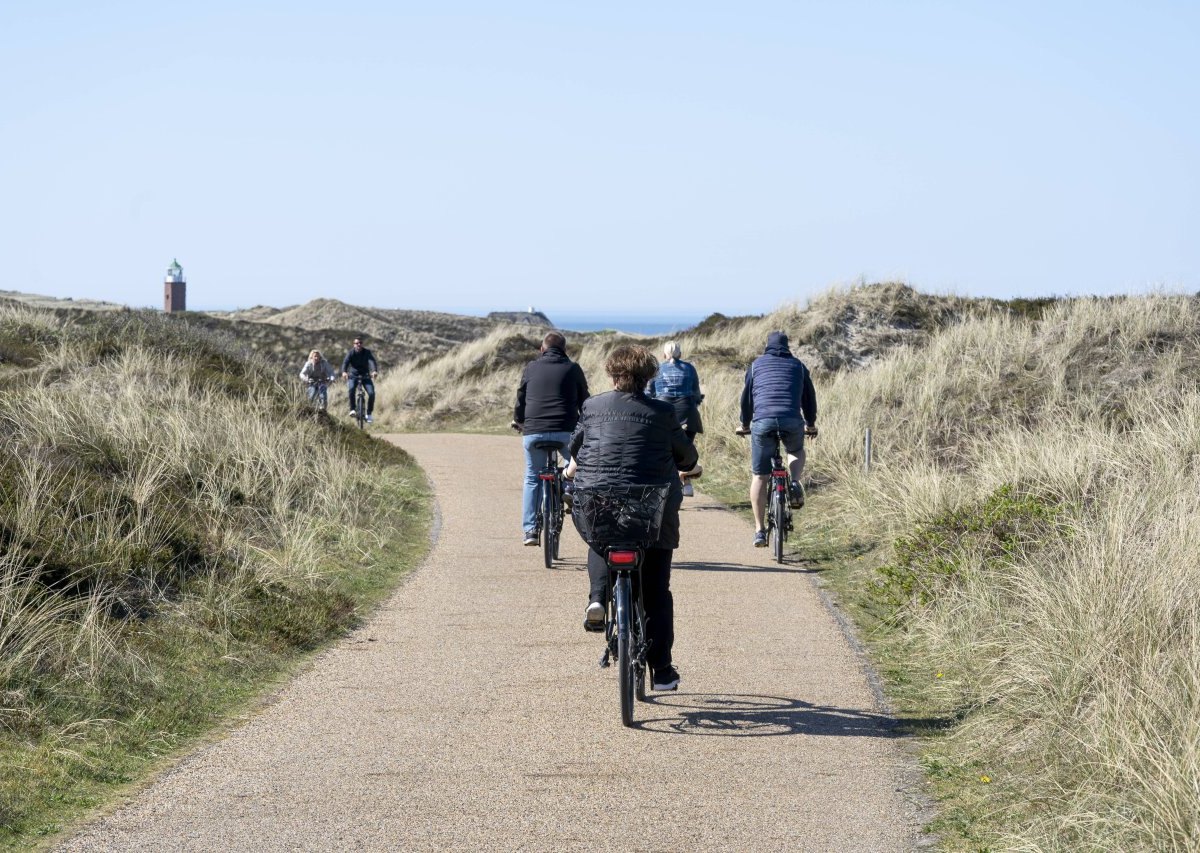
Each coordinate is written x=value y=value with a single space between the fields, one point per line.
x=778 y=510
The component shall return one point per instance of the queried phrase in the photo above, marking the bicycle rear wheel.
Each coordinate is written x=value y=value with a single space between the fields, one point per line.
x=549 y=534
x=780 y=522
x=624 y=650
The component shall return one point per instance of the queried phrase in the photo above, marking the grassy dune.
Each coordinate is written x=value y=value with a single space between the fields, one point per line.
x=1021 y=557
x=176 y=530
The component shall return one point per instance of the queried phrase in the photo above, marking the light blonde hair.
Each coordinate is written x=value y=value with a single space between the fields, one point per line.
x=317 y=353
x=671 y=350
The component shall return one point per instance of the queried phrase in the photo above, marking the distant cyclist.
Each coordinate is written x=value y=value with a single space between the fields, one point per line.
x=677 y=383
x=549 y=399
x=317 y=372
x=359 y=366
x=778 y=396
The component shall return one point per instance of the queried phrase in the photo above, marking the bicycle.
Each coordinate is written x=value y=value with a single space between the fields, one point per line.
x=620 y=522
x=360 y=400
x=779 y=505
x=550 y=508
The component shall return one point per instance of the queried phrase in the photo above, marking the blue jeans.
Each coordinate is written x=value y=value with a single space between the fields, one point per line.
x=535 y=461
x=366 y=383
x=320 y=390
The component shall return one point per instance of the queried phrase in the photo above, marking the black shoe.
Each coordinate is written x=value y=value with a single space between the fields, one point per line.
x=666 y=678
x=760 y=539
x=593 y=619
x=796 y=493
x=532 y=539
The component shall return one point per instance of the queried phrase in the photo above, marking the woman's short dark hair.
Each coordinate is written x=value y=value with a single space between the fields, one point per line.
x=631 y=367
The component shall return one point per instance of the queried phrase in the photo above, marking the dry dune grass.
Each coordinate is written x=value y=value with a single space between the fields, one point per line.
x=173 y=525
x=1041 y=483
x=474 y=385
x=126 y=477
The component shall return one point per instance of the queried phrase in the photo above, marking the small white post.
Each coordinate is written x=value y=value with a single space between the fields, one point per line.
x=867 y=452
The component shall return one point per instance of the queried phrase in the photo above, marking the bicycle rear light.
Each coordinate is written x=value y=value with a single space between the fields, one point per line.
x=545 y=476
x=622 y=558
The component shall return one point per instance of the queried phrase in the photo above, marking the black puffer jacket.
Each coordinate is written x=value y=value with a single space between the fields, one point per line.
x=551 y=391
x=626 y=439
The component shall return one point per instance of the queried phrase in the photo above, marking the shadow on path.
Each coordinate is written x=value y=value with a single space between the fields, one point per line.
x=800 y=568
x=739 y=715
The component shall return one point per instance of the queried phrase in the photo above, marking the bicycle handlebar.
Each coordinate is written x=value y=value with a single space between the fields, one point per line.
x=811 y=432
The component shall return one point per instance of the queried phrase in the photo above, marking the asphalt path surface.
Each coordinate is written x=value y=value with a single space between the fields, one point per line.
x=469 y=713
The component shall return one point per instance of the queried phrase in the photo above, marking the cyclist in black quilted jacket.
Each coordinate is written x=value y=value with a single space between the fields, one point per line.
x=624 y=438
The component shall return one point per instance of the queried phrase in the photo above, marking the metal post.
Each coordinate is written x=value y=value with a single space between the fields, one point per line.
x=867 y=452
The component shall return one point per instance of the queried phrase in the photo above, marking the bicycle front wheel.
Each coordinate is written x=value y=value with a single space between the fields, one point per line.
x=624 y=649
x=360 y=410
x=780 y=522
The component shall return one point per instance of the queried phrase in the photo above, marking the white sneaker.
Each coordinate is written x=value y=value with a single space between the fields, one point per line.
x=688 y=491
x=368 y=419
x=353 y=413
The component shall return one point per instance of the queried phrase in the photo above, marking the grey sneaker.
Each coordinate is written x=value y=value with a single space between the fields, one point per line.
x=532 y=539
x=368 y=419
x=593 y=619
x=760 y=539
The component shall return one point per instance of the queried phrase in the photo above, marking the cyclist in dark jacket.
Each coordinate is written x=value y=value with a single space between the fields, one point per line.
x=359 y=366
x=625 y=438
x=778 y=395
x=549 y=398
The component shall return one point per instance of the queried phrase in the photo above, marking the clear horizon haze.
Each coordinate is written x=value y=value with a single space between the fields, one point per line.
x=612 y=159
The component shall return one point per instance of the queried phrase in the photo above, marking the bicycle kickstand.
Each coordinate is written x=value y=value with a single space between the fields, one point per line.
x=605 y=659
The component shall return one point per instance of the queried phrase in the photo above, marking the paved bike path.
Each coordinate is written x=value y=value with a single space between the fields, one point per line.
x=470 y=714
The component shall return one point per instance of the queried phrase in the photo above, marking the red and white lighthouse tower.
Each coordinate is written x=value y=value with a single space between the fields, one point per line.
x=174 y=289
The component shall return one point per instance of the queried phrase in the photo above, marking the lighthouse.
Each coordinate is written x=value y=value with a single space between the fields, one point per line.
x=174 y=289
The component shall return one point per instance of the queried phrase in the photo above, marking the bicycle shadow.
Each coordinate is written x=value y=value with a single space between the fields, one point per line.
x=745 y=715
x=799 y=566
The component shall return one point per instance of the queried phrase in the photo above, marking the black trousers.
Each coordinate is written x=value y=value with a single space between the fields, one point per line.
x=655 y=582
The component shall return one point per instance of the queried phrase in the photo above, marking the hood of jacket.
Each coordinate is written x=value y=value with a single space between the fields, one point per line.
x=777 y=344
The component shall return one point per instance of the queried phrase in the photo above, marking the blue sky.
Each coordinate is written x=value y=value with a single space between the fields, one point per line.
x=605 y=158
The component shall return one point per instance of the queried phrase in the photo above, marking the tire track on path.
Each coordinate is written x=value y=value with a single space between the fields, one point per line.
x=469 y=712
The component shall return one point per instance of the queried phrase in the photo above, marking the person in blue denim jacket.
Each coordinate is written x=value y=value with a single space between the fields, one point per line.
x=678 y=383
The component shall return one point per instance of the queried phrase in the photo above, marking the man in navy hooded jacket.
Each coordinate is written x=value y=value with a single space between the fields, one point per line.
x=778 y=395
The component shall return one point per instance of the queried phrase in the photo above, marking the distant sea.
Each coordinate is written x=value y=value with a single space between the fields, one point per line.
x=633 y=325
